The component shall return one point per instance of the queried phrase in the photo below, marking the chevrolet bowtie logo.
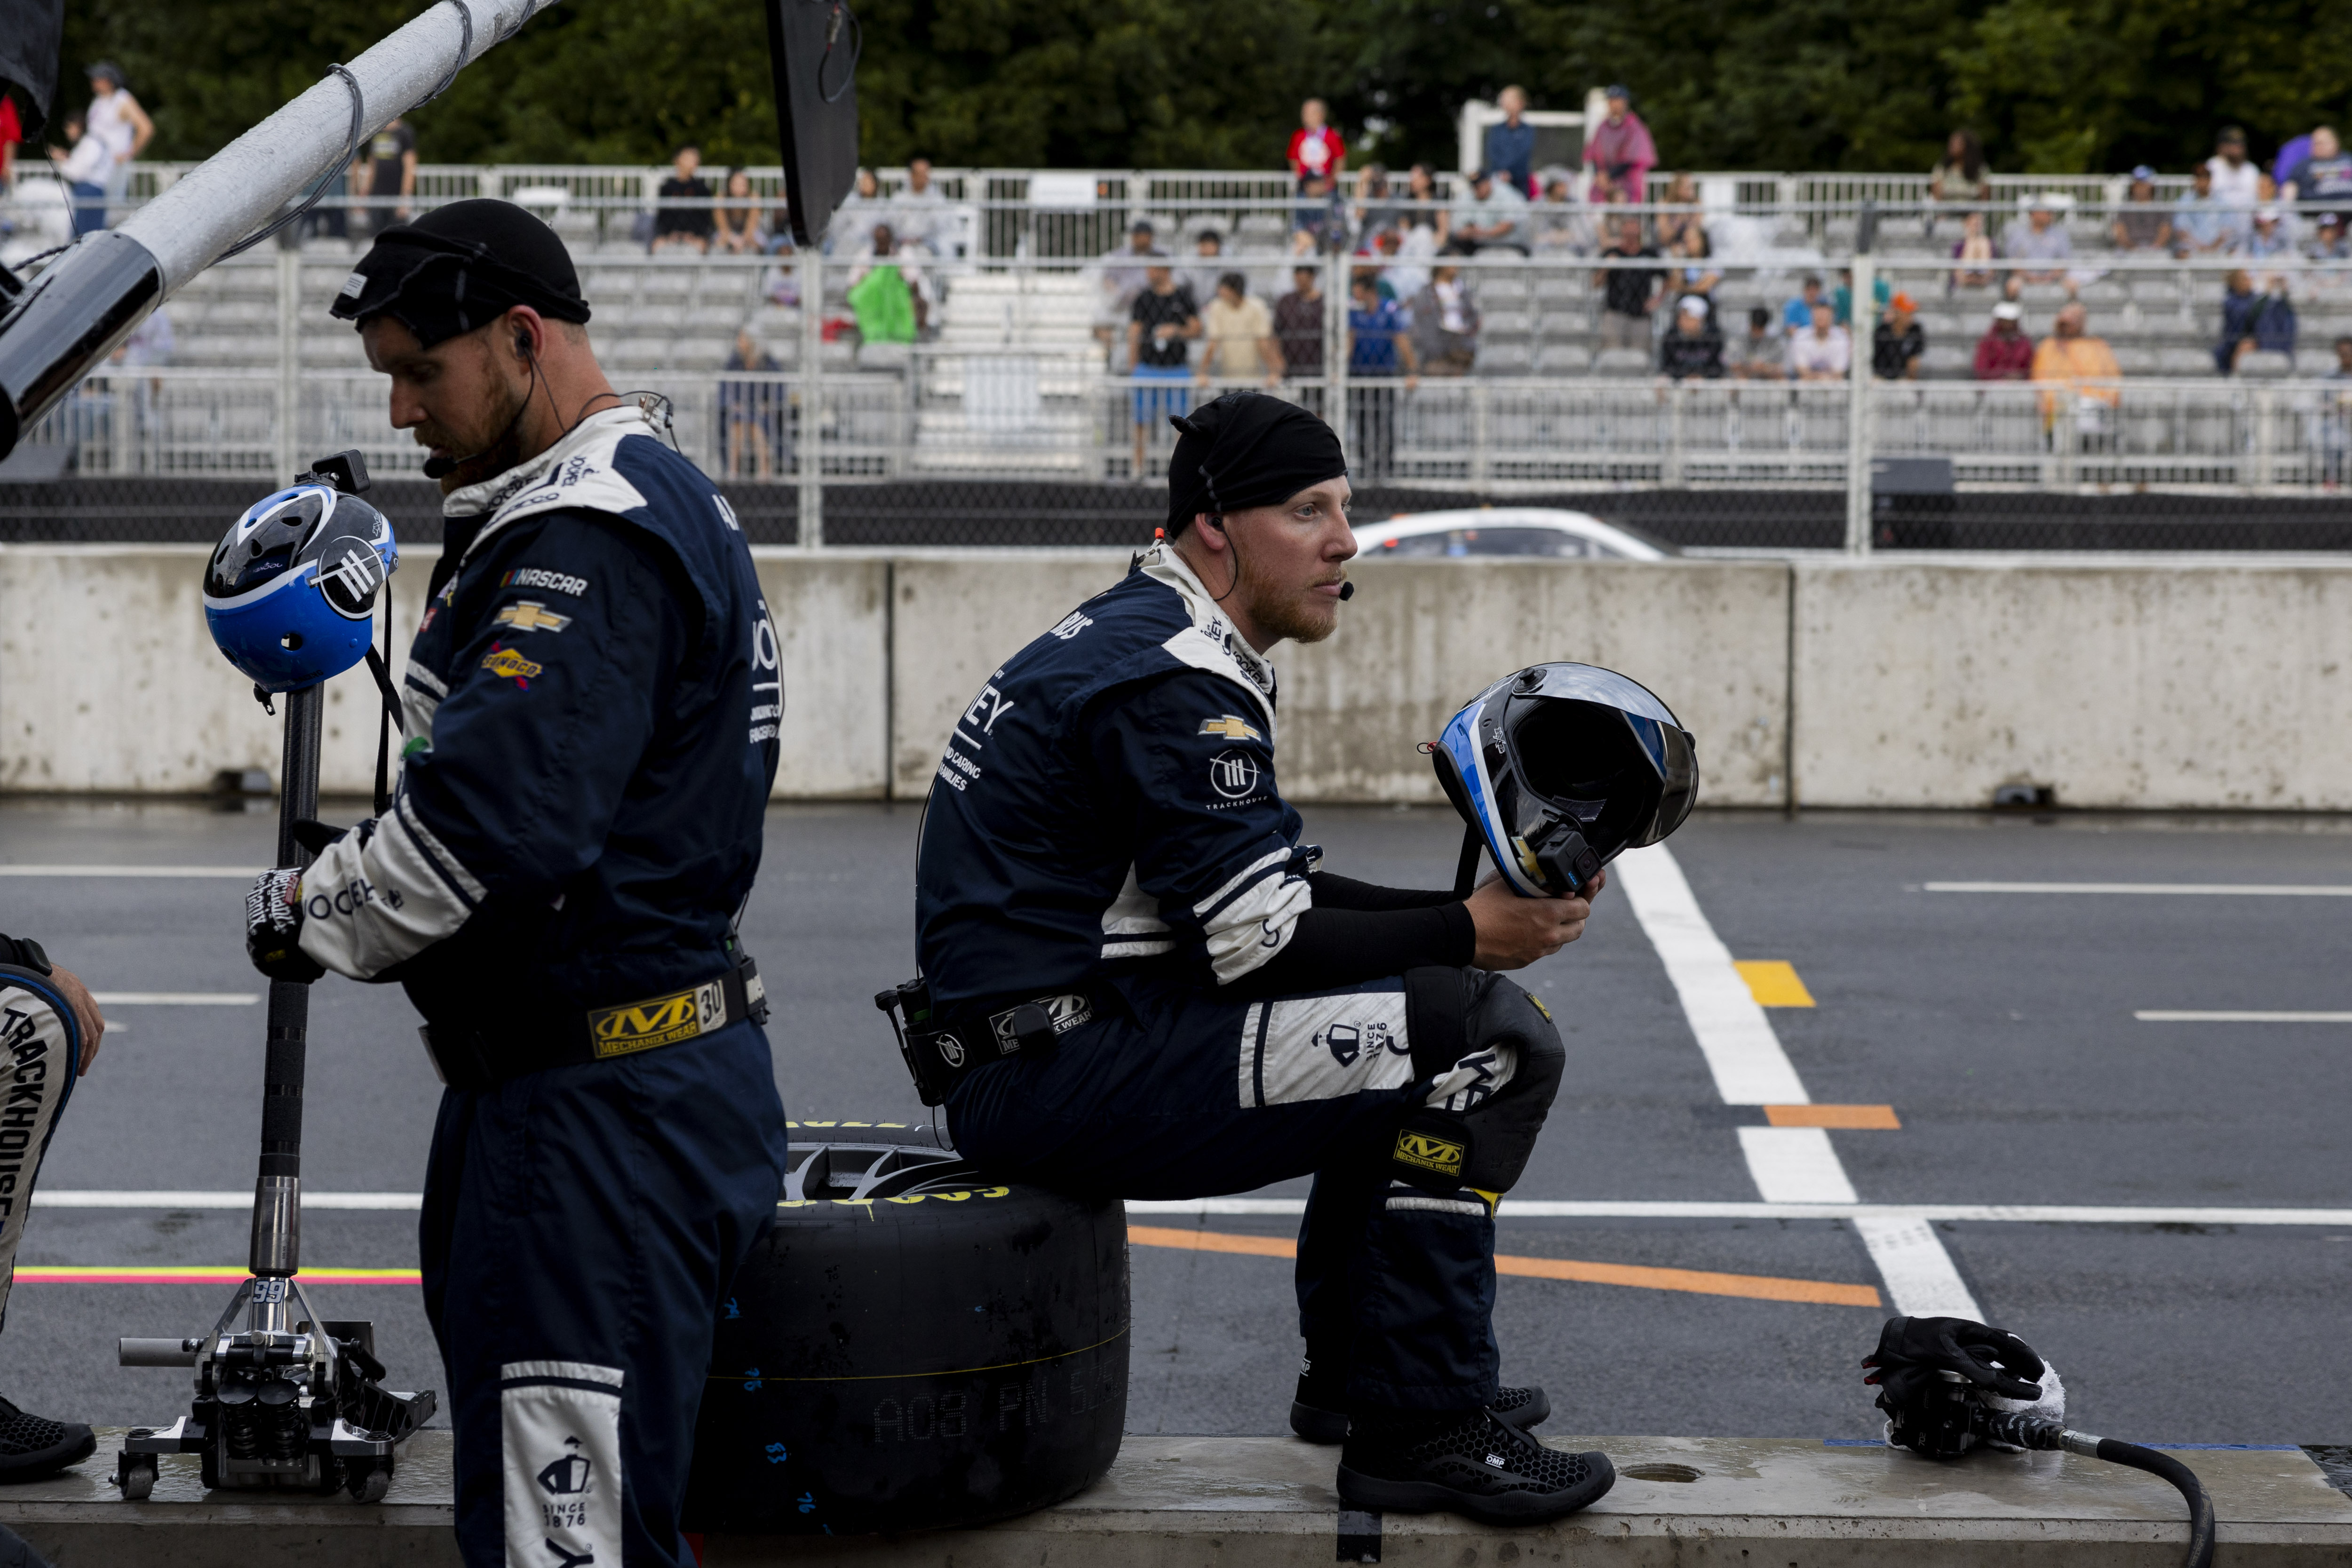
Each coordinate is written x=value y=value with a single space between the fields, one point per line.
x=1231 y=727
x=530 y=617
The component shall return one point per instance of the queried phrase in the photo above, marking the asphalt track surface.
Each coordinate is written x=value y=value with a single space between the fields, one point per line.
x=1998 y=1029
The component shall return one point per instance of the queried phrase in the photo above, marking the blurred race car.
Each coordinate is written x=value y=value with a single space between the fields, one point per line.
x=1507 y=531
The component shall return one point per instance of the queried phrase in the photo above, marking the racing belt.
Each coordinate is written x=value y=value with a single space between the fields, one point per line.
x=939 y=1050
x=472 y=1060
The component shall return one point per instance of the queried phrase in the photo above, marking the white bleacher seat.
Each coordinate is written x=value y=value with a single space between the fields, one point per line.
x=2138 y=360
x=2184 y=362
x=1947 y=360
x=1562 y=359
x=1504 y=359
x=2266 y=364
x=1621 y=361
x=1506 y=325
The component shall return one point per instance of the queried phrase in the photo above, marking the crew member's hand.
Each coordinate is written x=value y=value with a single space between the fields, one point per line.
x=273 y=927
x=1513 y=931
x=85 y=1011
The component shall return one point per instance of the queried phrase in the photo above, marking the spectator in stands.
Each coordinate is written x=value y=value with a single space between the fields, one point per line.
x=1125 y=271
x=1822 y=351
x=1974 y=250
x=1697 y=276
x=2253 y=322
x=1403 y=277
x=1377 y=210
x=2266 y=195
x=1630 y=294
x=1898 y=342
x=116 y=119
x=1693 y=345
x=2324 y=174
x=150 y=343
x=2335 y=417
x=855 y=219
x=1379 y=344
x=1620 y=146
x=1668 y=227
x=2327 y=243
x=1492 y=216
x=2041 y=237
x=2236 y=178
x=1558 y=226
x=1209 y=265
x=83 y=173
x=920 y=213
x=1425 y=211
x=1316 y=148
x=1763 y=353
x=1510 y=146
x=1797 y=315
x=2269 y=236
x=2070 y=363
x=12 y=132
x=886 y=292
x=1841 y=297
x=680 y=220
x=2203 y=223
x=2141 y=224
x=388 y=170
x=1444 y=324
x=750 y=413
x=1298 y=322
x=1241 y=342
x=2005 y=352
x=1321 y=219
x=1960 y=178
x=1160 y=326
x=735 y=222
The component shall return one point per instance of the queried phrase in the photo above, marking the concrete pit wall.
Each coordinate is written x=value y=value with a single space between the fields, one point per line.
x=2124 y=682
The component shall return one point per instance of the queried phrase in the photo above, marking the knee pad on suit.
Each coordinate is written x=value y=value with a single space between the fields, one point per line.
x=1495 y=1062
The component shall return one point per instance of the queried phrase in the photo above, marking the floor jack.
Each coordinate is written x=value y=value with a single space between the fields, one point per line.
x=289 y=1401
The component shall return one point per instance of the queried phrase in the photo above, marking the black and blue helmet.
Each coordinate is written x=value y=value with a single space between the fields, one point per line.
x=291 y=593
x=1561 y=767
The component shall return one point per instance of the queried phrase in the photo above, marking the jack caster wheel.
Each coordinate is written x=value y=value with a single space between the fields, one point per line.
x=135 y=1474
x=369 y=1484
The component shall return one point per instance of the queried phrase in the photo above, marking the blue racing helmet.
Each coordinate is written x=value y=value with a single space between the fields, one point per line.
x=290 y=594
x=1561 y=767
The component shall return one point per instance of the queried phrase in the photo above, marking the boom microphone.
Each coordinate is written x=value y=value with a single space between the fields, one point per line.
x=1347 y=592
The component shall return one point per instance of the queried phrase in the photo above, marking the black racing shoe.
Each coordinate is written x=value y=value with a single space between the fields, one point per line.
x=1311 y=1418
x=33 y=1446
x=1477 y=1464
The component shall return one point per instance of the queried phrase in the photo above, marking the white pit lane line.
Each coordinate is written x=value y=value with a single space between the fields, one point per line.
x=175 y=998
x=242 y=873
x=2160 y=1015
x=2182 y=890
x=1796 y=1165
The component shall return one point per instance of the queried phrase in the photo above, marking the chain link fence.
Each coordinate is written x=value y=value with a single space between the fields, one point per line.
x=991 y=395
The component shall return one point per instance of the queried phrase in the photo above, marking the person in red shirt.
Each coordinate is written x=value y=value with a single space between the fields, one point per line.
x=2005 y=352
x=1316 y=150
x=11 y=131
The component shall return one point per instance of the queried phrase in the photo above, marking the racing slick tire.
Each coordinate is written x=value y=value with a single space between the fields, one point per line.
x=912 y=1346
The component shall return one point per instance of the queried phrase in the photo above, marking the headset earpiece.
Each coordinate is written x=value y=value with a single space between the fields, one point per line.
x=522 y=345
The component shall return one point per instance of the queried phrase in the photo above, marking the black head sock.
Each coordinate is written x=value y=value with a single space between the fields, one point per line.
x=461 y=267
x=1246 y=450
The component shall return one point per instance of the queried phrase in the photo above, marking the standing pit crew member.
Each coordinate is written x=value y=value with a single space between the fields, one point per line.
x=49 y=1033
x=591 y=707
x=1211 y=1013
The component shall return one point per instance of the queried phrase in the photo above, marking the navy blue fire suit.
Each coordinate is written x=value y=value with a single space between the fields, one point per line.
x=591 y=707
x=1105 y=837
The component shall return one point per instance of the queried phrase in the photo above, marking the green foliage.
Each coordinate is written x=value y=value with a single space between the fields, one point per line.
x=2053 y=85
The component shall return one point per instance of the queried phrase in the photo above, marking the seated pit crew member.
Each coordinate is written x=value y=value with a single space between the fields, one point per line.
x=1213 y=1013
x=49 y=1033
x=591 y=708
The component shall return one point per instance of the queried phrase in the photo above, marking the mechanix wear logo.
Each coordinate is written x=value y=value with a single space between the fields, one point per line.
x=1067 y=1012
x=1233 y=773
x=509 y=665
x=658 y=1020
x=1232 y=726
x=1427 y=1152
x=531 y=615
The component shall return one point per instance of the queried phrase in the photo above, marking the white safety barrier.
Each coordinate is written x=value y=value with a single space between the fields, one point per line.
x=2119 y=683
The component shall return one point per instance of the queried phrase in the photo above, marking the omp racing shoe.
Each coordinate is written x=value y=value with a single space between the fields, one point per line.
x=1311 y=1418
x=33 y=1446
x=1477 y=1465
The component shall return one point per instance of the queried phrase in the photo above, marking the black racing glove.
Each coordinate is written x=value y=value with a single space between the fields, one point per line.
x=1931 y=1413
x=273 y=927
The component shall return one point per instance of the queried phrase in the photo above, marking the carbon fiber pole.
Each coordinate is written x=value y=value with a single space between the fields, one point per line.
x=277 y=1251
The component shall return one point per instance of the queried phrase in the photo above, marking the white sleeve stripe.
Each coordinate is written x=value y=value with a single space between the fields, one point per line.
x=1256 y=925
x=418 y=676
x=451 y=869
x=1208 y=907
x=574 y=1371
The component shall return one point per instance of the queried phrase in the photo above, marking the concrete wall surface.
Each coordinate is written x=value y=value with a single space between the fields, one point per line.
x=2139 y=684
x=2126 y=682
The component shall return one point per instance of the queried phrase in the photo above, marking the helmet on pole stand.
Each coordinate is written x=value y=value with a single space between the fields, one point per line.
x=1558 y=768
x=291 y=593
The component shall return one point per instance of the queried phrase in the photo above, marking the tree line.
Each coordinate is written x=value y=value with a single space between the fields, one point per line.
x=2051 y=86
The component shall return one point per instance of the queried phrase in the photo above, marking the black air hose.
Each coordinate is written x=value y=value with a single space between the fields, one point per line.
x=2024 y=1430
